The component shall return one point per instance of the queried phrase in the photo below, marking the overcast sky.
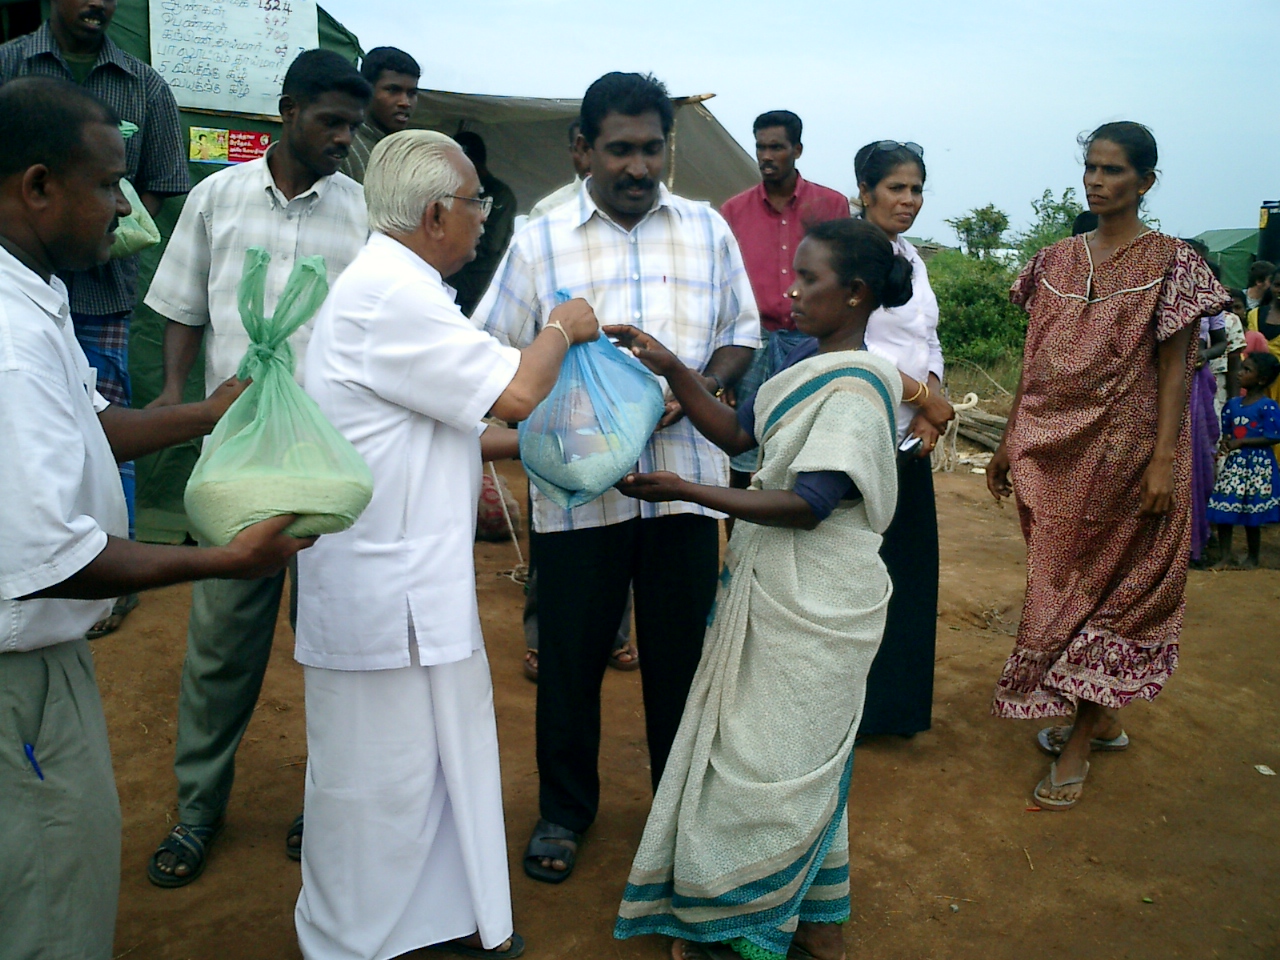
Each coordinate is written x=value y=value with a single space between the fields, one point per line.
x=995 y=90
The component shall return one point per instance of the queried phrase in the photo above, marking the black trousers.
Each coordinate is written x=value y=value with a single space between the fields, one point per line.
x=583 y=577
x=900 y=684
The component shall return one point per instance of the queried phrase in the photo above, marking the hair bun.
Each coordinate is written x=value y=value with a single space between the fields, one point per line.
x=897 y=284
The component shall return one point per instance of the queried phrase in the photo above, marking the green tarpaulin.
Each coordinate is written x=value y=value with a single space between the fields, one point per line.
x=1233 y=251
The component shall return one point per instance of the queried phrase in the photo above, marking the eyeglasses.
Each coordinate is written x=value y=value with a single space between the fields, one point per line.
x=486 y=203
x=894 y=145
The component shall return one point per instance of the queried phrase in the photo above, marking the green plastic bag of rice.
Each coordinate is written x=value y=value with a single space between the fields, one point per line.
x=137 y=231
x=273 y=452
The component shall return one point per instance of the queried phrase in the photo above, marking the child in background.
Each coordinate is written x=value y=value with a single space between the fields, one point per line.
x=1247 y=492
x=1226 y=368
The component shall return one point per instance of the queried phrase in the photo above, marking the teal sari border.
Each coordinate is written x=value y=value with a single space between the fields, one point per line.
x=762 y=927
x=810 y=387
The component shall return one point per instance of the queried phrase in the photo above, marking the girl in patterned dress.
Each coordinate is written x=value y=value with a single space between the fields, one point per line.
x=1248 y=488
x=1098 y=449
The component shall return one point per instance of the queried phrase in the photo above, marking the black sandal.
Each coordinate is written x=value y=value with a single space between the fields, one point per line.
x=292 y=852
x=190 y=845
x=551 y=841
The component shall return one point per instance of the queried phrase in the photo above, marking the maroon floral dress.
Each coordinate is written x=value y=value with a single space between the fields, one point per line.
x=1105 y=585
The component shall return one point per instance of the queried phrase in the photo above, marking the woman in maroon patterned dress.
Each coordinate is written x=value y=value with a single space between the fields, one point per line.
x=1098 y=449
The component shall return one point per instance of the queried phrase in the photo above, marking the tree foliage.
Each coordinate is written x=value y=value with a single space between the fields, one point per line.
x=976 y=320
x=1054 y=218
x=981 y=231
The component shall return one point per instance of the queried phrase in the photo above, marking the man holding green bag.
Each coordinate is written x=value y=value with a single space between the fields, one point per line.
x=292 y=203
x=73 y=45
x=63 y=547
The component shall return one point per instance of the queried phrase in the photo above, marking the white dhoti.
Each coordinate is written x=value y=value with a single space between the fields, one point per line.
x=405 y=844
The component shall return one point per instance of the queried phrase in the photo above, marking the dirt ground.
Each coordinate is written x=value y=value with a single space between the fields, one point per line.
x=1172 y=853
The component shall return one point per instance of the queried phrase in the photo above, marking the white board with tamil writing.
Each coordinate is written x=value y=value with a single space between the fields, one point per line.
x=230 y=54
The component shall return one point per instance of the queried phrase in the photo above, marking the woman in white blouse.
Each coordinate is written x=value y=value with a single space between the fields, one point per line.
x=900 y=686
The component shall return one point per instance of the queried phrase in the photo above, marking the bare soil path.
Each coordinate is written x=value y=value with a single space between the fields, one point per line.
x=1172 y=853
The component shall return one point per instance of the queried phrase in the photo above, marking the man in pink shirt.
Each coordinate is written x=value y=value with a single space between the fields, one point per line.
x=769 y=220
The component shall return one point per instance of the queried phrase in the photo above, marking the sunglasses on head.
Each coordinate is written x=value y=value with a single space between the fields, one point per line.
x=894 y=145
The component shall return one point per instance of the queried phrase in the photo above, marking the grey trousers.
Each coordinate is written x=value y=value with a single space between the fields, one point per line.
x=59 y=836
x=229 y=637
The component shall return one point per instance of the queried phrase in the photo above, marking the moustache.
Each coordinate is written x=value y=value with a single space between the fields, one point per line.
x=628 y=182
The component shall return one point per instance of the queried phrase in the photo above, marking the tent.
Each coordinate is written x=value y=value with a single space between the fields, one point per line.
x=526 y=140
x=1232 y=251
x=527 y=144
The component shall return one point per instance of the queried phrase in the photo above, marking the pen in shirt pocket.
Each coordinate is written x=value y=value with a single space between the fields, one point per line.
x=30 y=751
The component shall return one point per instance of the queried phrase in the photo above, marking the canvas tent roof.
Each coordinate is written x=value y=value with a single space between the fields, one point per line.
x=1233 y=250
x=527 y=145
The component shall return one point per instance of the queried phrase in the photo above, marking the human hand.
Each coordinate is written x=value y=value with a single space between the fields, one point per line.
x=653 y=487
x=576 y=318
x=937 y=410
x=1231 y=443
x=645 y=348
x=926 y=431
x=672 y=412
x=1157 y=488
x=169 y=397
x=227 y=392
x=263 y=548
x=998 y=474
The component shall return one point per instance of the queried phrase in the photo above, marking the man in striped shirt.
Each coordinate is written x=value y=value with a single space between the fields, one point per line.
x=671 y=267
x=393 y=74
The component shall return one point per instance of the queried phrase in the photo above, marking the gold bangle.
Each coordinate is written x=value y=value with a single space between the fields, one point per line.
x=556 y=324
x=921 y=387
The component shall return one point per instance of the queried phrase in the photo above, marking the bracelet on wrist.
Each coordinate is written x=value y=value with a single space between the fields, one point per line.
x=718 y=392
x=568 y=342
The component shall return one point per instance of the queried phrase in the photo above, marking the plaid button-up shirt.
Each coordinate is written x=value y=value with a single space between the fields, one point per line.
x=235 y=209
x=156 y=156
x=677 y=275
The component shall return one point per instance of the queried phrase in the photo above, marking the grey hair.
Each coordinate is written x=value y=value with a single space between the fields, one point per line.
x=408 y=171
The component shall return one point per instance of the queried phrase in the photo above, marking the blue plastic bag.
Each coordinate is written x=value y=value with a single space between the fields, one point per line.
x=591 y=429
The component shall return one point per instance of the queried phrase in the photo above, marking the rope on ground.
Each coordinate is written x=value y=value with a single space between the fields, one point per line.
x=520 y=573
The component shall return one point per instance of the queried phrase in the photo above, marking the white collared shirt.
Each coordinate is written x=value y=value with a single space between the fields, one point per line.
x=226 y=214
x=908 y=335
x=59 y=482
x=678 y=275
x=400 y=372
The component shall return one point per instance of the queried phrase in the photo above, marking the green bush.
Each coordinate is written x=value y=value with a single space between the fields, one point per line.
x=976 y=321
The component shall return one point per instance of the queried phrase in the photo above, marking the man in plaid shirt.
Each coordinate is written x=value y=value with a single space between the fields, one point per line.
x=73 y=45
x=670 y=266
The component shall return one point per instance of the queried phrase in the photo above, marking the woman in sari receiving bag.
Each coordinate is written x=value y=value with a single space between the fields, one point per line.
x=745 y=853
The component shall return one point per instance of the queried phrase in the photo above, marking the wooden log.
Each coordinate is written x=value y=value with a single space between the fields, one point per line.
x=979 y=438
x=981 y=416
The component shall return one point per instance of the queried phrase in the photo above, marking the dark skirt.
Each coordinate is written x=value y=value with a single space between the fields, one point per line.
x=900 y=685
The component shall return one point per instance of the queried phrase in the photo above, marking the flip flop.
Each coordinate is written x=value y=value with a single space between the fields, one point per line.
x=628 y=648
x=1053 y=739
x=461 y=950
x=1051 y=781
x=295 y=830
x=112 y=622
x=190 y=845
x=551 y=841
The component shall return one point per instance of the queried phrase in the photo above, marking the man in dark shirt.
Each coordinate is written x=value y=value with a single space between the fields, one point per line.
x=473 y=280
x=393 y=74
x=73 y=45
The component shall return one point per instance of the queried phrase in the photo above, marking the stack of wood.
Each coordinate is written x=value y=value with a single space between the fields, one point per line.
x=981 y=427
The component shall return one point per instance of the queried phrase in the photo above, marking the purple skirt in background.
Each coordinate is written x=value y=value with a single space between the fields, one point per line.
x=1204 y=445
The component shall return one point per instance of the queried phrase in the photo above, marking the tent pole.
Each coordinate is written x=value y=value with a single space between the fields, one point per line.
x=671 y=170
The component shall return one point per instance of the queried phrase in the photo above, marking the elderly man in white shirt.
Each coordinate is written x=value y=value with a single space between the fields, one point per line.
x=293 y=203
x=405 y=845
x=64 y=552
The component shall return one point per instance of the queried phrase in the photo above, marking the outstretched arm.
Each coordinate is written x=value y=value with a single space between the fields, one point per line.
x=770 y=508
x=135 y=433
x=716 y=421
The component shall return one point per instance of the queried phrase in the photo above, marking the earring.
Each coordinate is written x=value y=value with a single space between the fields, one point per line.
x=854 y=301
